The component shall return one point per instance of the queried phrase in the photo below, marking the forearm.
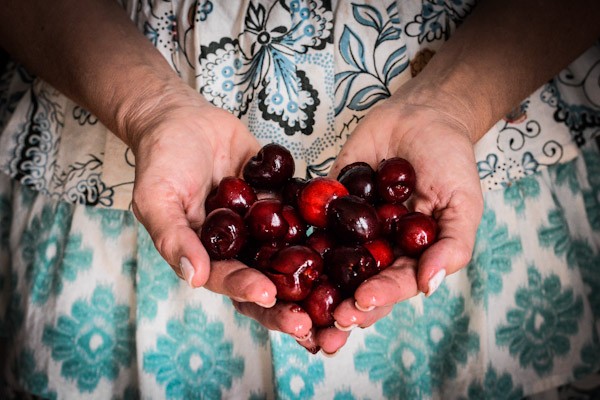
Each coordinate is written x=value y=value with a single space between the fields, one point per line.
x=95 y=55
x=504 y=51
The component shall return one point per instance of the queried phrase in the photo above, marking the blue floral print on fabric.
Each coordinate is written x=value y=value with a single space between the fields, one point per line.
x=590 y=360
x=296 y=371
x=194 y=359
x=493 y=256
x=260 y=63
x=355 y=55
x=412 y=353
x=112 y=221
x=94 y=342
x=494 y=387
x=538 y=328
x=258 y=333
x=33 y=381
x=519 y=191
x=50 y=257
x=155 y=278
x=438 y=18
x=592 y=195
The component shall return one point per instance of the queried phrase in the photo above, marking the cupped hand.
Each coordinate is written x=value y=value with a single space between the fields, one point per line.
x=184 y=147
x=432 y=132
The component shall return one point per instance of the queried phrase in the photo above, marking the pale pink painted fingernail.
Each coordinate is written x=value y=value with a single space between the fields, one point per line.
x=304 y=338
x=435 y=282
x=187 y=269
x=370 y=308
x=344 y=328
x=267 y=305
x=329 y=355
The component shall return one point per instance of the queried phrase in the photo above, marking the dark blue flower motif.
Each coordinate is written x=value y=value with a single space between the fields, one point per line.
x=494 y=387
x=33 y=381
x=438 y=18
x=194 y=359
x=537 y=330
x=413 y=352
x=492 y=258
x=94 y=342
x=261 y=63
x=296 y=371
x=488 y=167
x=5 y=221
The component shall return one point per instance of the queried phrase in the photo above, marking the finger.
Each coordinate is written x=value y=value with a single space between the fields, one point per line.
x=348 y=316
x=174 y=238
x=453 y=248
x=309 y=342
x=283 y=317
x=331 y=340
x=241 y=283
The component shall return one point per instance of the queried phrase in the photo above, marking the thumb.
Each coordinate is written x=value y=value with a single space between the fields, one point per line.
x=174 y=238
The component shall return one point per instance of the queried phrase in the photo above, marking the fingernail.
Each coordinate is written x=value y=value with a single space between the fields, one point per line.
x=370 y=308
x=435 y=282
x=344 y=328
x=329 y=355
x=304 y=338
x=187 y=270
x=267 y=305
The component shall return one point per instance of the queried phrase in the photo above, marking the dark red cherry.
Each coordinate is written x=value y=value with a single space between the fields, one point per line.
x=270 y=168
x=223 y=234
x=320 y=241
x=291 y=191
x=259 y=255
x=349 y=266
x=395 y=180
x=315 y=197
x=322 y=302
x=296 y=226
x=415 y=232
x=389 y=214
x=359 y=179
x=294 y=271
x=233 y=193
x=265 y=221
x=382 y=252
x=352 y=219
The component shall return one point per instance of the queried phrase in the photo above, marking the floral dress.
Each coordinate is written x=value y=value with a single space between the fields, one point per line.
x=88 y=308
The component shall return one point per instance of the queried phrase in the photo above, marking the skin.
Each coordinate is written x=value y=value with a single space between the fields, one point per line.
x=433 y=121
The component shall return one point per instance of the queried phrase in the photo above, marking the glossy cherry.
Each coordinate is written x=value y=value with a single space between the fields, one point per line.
x=351 y=219
x=291 y=191
x=233 y=193
x=349 y=266
x=223 y=234
x=321 y=241
x=395 y=180
x=359 y=179
x=265 y=221
x=382 y=252
x=294 y=271
x=322 y=302
x=389 y=214
x=415 y=232
x=296 y=226
x=315 y=197
x=270 y=168
x=259 y=254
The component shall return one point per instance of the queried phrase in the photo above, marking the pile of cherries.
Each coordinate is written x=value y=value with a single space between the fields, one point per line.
x=318 y=239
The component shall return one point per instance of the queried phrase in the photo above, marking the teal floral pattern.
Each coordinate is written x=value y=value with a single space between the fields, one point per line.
x=34 y=381
x=112 y=222
x=590 y=360
x=94 y=342
x=494 y=387
x=259 y=334
x=5 y=218
x=194 y=359
x=556 y=234
x=296 y=371
x=538 y=329
x=517 y=193
x=566 y=174
x=155 y=278
x=493 y=256
x=49 y=255
x=592 y=195
x=413 y=353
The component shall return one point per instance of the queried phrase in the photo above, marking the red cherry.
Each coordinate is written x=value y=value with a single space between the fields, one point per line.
x=223 y=234
x=294 y=271
x=359 y=178
x=315 y=197
x=395 y=180
x=348 y=267
x=296 y=226
x=322 y=302
x=352 y=219
x=270 y=168
x=415 y=233
x=259 y=255
x=265 y=221
x=291 y=191
x=231 y=193
x=389 y=214
x=382 y=252
x=320 y=241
